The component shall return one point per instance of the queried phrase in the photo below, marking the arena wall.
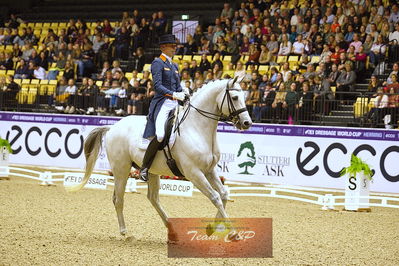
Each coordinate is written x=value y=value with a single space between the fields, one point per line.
x=279 y=154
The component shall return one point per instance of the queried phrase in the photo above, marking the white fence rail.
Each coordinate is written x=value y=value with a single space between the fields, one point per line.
x=303 y=194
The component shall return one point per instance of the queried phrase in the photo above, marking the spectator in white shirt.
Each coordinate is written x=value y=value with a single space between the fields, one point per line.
x=377 y=50
x=71 y=91
x=394 y=17
x=298 y=48
x=38 y=71
x=394 y=36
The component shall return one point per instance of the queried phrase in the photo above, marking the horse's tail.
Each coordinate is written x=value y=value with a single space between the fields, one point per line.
x=92 y=146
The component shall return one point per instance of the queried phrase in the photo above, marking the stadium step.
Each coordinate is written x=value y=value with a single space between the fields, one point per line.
x=344 y=107
x=344 y=113
x=338 y=119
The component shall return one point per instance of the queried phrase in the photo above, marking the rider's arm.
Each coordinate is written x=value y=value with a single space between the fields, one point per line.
x=156 y=70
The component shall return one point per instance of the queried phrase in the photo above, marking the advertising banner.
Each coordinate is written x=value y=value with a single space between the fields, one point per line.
x=279 y=154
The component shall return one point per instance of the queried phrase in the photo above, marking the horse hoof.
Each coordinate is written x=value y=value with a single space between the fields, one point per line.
x=123 y=232
x=210 y=230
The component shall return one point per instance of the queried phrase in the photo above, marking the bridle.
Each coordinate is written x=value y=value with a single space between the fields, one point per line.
x=233 y=116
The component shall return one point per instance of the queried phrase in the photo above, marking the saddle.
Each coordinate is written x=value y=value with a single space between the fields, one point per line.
x=169 y=125
x=165 y=145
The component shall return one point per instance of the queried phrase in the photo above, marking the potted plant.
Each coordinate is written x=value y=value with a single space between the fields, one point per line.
x=5 y=150
x=359 y=175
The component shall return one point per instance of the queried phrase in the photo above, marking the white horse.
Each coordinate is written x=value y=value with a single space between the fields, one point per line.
x=196 y=150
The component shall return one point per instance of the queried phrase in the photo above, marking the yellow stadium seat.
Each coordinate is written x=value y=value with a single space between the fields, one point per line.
x=32 y=95
x=99 y=83
x=129 y=75
x=39 y=25
x=3 y=72
x=197 y=58
x=51 y=87
x=43 y=85
x=11 y=72
x=176 y=59
x=140 y=75
x=229 y=72
x=54 y=25
x=31 y=24
x=147 y=67
x=361 y=106
x=34 y=83
x=263 y=69
x=46 y=25
x=18 y=81
x=209 y=57
x=22 y=95
x=26 y=81
x=37 y=32
x=62 y=25
x=281 y=59
x=187 y=57
x=244 y=58
x=293 y=58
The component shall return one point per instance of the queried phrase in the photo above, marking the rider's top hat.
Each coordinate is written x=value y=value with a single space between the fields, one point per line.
x=167 y=39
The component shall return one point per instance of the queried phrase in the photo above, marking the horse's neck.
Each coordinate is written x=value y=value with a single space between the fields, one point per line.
x=205 y=101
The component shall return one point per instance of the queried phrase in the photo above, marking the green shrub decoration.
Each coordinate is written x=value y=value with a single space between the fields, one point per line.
x=357 y=165
x=5 y=143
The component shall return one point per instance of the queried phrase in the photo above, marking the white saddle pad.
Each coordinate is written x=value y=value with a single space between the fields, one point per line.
x=144 y=142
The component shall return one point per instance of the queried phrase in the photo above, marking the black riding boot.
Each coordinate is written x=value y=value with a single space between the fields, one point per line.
x=149 y=158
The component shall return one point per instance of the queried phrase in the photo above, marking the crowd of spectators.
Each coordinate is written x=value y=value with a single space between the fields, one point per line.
x=334 y=46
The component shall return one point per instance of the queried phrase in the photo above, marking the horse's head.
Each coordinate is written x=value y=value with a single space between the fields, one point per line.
x=231 y=103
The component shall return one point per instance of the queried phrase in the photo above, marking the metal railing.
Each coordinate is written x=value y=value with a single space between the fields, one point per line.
x=343 y=109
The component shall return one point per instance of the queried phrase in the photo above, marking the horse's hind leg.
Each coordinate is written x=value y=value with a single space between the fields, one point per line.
x=121 y=173
x=153 y=196
x=216 y=183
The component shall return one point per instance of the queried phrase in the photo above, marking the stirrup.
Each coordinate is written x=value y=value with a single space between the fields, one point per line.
x=144 y=174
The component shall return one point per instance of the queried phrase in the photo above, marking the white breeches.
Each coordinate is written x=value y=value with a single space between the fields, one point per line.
x=162 y=117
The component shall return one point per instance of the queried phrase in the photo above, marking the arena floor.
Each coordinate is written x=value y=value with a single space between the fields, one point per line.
x=45 y=225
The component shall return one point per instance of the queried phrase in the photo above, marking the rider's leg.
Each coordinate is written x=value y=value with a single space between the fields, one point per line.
x=149 y=156
x=154 y=144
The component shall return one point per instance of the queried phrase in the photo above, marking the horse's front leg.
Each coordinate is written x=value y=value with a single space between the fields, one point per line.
x=202 y=183
x=217 y=185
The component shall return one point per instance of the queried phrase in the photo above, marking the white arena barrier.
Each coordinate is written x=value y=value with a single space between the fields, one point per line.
x=306 y=156
x=235 y=189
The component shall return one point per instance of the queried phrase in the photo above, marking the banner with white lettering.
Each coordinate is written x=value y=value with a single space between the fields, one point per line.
x=95 y=181
x=176 y=188
x=281 y=154
x=307 y=156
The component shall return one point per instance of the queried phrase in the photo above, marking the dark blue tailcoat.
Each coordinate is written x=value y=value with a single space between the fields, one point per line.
x=166 y=81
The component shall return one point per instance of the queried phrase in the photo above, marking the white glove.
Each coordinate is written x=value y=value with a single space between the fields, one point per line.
x=179 y=96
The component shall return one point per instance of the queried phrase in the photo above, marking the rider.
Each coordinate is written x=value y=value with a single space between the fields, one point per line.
x=166 y=79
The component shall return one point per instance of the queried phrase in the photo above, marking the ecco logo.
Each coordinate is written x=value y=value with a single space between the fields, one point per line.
x=302 y=162
x=16 y=133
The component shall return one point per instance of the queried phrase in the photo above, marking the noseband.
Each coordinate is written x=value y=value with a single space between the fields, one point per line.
x=233 y=116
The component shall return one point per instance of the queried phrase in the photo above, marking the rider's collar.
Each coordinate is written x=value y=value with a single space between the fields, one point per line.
x=164 y=57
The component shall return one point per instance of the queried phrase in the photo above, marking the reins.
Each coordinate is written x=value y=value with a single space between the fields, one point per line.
x=231 y=118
